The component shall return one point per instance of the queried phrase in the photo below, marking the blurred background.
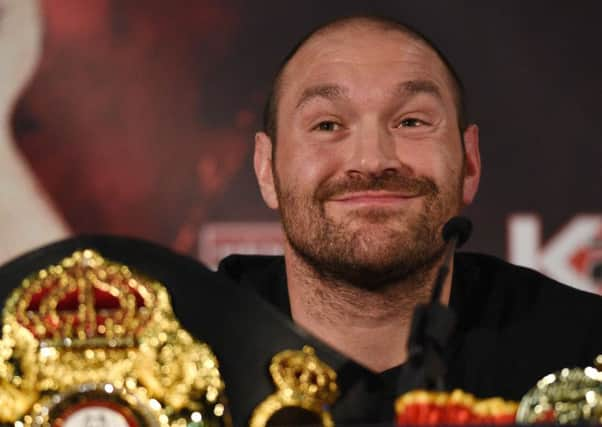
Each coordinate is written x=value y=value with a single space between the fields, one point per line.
x=137 y=118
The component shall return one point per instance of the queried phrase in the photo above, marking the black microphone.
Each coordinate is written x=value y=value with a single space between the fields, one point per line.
x=433 y=323
x=455 y=233
x=458 y=227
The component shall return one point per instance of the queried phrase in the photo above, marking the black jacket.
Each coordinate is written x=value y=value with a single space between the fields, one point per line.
x=514 y=326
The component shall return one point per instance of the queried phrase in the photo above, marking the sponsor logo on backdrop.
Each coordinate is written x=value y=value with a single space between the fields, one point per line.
x=220 y=239
x=573 y=255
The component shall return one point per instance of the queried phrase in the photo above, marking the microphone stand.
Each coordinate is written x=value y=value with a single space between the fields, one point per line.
x=433 y=323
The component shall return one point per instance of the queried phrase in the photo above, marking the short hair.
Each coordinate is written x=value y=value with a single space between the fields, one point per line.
x=270 y=112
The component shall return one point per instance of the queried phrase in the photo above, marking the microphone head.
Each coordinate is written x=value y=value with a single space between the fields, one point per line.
x=458 y=226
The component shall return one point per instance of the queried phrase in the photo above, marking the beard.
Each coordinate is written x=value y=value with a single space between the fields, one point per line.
x=388 y=245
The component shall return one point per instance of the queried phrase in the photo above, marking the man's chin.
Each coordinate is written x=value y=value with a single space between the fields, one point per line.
x=376 y=239
x=369 y=257
x=370 y=274
x=383 y=266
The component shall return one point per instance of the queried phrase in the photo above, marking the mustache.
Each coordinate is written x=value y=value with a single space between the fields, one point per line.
x=394 y=182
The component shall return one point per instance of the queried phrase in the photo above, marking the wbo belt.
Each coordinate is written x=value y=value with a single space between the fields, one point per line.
x=88 y=342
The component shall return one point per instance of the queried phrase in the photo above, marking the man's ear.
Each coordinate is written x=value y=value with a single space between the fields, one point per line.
x=472 y=164
x=262 y=162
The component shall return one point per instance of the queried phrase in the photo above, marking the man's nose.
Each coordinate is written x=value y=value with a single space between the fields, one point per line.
x=373 y=151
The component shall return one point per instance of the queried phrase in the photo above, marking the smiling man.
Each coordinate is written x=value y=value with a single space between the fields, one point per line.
x=366 y=154
x=366 y=158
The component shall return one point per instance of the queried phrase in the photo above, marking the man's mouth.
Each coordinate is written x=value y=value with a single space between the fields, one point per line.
x=373 y=198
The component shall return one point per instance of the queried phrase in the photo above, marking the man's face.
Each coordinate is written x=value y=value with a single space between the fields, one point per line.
x=368 y=162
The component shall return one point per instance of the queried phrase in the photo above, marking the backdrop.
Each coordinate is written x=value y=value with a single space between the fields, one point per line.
x=140 y=119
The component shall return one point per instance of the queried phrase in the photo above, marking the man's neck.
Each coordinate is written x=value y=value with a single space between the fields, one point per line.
x=370 y=327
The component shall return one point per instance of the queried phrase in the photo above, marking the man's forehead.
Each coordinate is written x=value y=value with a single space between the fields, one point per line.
x=335 y=92
x=359 y=44
x=356 y=34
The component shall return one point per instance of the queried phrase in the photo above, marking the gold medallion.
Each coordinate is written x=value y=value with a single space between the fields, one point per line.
x=88 y=342
x=306 y=387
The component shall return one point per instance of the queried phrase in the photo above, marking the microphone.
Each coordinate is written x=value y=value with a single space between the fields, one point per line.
x=433 y=323
x=458 y=227
x=455 y=233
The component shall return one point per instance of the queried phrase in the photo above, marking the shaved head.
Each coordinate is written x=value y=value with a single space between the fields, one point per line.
x=270 y=116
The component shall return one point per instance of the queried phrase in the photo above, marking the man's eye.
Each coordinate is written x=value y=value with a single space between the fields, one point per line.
x=327 y=126
x=411 y=123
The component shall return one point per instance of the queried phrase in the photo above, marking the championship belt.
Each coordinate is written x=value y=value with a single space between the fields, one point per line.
x=569 y=396
x=88 y=342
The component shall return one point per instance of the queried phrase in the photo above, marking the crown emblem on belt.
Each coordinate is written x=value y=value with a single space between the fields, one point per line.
x=306 y=387
x=90 y=339
x=85 y=301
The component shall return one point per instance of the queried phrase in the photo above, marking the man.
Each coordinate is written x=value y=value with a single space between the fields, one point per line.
x=366 y=154
x=367 y=158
